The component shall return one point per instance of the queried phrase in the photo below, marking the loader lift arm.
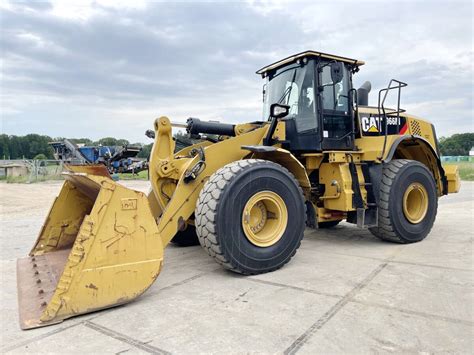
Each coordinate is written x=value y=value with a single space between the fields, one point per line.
x=102 y=243
x=163 y=166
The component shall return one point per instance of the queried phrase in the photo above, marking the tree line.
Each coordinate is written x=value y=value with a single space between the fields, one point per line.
x=32 y=145
x=457 y=144
x=37 y=146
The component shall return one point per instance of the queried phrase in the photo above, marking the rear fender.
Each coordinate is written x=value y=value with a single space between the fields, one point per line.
x=419 y=149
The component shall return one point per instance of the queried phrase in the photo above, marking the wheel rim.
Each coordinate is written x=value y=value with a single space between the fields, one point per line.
x=415 y=203
x=264 y=218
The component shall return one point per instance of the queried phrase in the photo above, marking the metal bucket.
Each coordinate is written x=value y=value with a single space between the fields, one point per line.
x=99 y=247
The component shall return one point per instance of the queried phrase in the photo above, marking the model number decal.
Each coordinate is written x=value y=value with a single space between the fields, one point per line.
x=375 y=124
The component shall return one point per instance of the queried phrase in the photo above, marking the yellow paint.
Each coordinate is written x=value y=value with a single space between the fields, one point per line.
x=373 y=129
x=312 y=161
x=103 y=243
x=244 y=128
x=415 y=203
x=182 y=203
x=336 y=177
x=325 y=215
x=264 y=218
x=113 y=237
x=115 y=250
x=419 y=147
x=337 y=180
x=291 y=163
x=452 y=175
x=64 y=220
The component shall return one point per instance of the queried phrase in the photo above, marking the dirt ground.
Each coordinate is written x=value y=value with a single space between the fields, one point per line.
x=343 y=292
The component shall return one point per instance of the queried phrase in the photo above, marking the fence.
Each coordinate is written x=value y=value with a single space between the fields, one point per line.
x=448 y=158
x=28 y=171
x=31 y=170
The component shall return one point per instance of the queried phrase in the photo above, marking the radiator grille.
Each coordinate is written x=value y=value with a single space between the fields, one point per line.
x=415 y=128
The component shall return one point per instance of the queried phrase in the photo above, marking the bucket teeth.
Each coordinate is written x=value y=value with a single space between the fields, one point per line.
x=36 y=287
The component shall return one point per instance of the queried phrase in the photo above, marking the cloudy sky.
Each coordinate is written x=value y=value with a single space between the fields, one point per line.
x=96 y=68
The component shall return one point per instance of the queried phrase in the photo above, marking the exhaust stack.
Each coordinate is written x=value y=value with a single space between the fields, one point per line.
x=363 y=94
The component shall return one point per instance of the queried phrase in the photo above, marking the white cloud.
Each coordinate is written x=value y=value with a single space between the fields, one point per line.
x=116 y=65
x=83 y=10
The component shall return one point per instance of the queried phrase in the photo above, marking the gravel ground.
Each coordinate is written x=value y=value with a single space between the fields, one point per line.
x=344 y=291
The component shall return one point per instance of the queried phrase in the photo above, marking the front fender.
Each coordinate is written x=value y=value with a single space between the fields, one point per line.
x=285 y=159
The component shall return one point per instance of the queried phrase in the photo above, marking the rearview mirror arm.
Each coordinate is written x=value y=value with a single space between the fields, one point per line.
x=268 y=140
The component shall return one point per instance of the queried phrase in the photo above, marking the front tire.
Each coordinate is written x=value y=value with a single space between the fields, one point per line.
x=408 y=202
x=250 y=216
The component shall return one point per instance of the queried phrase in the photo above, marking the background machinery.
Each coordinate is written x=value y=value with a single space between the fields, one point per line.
x=117 y=159
x=321 y=155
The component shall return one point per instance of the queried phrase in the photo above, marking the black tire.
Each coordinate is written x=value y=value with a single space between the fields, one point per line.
x=328 y=224
x=393 y=226
x=219 y=214
x=186 y=238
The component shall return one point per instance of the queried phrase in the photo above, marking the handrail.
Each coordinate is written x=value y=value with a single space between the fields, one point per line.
x=382 y=112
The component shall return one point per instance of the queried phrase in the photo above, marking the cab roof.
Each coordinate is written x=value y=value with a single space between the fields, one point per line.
x=309 y=53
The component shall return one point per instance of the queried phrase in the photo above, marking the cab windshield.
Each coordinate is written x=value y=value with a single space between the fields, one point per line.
x=293 y=85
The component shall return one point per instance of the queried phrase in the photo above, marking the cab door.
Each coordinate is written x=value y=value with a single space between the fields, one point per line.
x=334 y=107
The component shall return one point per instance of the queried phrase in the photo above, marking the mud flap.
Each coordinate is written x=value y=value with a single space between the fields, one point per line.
x=99 y=247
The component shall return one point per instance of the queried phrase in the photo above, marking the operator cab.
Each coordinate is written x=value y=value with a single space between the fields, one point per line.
x=317 y=89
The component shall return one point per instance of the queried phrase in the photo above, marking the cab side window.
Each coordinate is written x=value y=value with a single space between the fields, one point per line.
x=306 y=117
x=292 y=97
x=334 y=97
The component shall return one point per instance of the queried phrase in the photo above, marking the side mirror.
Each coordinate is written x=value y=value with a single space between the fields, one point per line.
x=279 y=111
x=337 y=72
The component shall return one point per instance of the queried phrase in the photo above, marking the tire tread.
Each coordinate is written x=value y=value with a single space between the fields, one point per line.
x=385 y=229
x=207 y=205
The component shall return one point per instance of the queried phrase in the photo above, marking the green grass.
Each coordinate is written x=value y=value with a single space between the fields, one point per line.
x=466 y=169
x=142 y=175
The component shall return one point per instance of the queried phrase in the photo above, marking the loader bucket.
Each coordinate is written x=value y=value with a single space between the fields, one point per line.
x=99 y=247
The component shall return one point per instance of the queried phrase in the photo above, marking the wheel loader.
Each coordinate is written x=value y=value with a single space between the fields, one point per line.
x=245 y=192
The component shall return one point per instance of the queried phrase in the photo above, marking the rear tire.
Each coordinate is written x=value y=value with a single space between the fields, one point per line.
x=401 y=218
x=223 y=219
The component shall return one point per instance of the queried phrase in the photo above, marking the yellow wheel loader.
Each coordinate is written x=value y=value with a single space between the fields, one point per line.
x=246 y=192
